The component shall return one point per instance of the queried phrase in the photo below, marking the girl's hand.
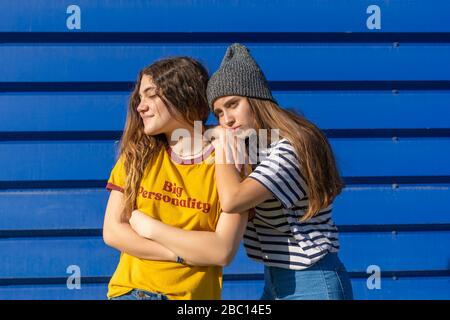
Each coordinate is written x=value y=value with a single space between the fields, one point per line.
x=230 y=147
x=217 y=137
x=142 y=224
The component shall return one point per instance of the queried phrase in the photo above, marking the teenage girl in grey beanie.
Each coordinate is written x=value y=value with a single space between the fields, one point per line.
x=292 y=187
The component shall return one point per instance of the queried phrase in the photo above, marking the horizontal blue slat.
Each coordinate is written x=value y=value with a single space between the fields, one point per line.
x=396 y=251
x=63 y=112
x=385 y=205
x=93 y=160
x=55 y=160
x=371 y=110
x=91 y=63
x=356 y=206
x=88 y=291
x=48 y=209
x=213 y=16
x=387 y=157
x=106 y=111
x=427 y=288
x=49 y=257
x=424 y=288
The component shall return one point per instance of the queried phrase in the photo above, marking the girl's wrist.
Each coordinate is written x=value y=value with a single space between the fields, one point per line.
x=172 y=256
x=180 y=260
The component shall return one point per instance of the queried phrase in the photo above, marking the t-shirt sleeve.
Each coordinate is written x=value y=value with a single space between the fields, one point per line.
x=117 y=177
x=280 y=173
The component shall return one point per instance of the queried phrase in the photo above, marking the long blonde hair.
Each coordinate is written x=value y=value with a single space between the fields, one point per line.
x=181 y=84
x=315 y=156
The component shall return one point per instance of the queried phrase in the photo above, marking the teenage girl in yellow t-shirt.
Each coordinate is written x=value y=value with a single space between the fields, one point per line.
x=170 y=181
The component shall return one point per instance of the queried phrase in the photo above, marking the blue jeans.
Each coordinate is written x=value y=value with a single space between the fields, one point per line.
x=326 y=280
x=137 y=294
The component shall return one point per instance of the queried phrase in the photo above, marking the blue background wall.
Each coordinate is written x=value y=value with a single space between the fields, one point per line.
x=381 y=95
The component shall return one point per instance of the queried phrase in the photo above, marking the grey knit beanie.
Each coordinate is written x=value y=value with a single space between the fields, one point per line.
x=238 y=75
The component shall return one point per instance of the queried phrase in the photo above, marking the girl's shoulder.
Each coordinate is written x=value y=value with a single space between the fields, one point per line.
x=281 y=143
x=282 y=151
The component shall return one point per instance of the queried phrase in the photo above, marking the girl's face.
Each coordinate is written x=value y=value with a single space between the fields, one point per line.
x=234 y=112
x=153 y=111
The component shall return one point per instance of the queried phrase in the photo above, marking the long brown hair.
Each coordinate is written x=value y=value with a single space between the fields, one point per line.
x=315 y=156
x=181 y=84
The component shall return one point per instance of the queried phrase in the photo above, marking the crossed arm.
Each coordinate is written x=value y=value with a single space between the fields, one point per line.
x=121 y=236
x=151 y=239
x=196 y=247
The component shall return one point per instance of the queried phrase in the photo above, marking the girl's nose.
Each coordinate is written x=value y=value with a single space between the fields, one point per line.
x=142 y=107
x=229 y=121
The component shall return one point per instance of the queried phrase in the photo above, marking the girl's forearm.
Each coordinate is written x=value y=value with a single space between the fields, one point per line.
x=123 y=238
x=201 y=248
x=227 y=180
x=236 y=195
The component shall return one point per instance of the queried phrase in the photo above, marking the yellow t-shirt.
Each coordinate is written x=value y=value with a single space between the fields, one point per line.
x=181 y=195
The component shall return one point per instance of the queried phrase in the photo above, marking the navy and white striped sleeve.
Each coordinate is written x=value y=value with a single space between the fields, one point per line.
x=280 y=173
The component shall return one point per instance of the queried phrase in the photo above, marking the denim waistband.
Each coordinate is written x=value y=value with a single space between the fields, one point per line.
x=138 y=294
x=147 y=294
x=330 y=261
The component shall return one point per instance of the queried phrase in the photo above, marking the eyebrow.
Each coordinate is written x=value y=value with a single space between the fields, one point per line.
x=231 y=101
x=147 y=90
x=227 y=104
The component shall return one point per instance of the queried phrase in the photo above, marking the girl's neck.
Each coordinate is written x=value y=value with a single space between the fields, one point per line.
x=186 y=142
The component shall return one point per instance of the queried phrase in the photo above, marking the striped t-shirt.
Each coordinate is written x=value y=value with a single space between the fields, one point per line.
x=275 y=236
